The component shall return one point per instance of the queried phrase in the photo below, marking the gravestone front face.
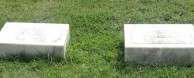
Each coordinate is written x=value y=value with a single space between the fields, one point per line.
x=159 y=44
x=34 y=39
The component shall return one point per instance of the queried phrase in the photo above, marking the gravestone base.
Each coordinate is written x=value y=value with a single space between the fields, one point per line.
x=34 y=39
x=160 y=56
x=159 y=44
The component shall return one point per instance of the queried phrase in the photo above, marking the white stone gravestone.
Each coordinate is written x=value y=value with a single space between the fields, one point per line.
x=34 y=39
x=159 y=44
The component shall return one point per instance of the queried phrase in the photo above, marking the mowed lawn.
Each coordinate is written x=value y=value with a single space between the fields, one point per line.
x=96 y=46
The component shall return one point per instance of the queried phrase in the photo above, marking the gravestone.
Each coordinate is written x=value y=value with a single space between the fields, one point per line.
x=159 y=44
x=34 y=39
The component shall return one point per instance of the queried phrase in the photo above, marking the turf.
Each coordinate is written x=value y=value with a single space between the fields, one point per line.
x=96 y=44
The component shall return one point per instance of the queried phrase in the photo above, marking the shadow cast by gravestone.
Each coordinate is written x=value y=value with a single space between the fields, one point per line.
x=192 y=21
x=121 y=64
x=2 y=22
x=23 y=57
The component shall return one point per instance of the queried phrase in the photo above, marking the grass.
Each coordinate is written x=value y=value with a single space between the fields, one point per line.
x=96 y=45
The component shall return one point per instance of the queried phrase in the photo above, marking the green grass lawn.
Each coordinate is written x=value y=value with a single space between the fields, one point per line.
x=96 y=45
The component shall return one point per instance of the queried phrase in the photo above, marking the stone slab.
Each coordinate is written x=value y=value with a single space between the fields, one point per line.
x=159 y=44
x=34 y=39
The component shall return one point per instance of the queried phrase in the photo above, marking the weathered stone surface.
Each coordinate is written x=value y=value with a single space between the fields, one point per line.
x=159 y=44
x=34 y=39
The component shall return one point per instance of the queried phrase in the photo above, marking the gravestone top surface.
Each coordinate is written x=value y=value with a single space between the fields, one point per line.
x=156 y=35
x=37 y=33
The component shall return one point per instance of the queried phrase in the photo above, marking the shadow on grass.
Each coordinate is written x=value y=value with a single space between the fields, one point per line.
x=28 y=58
x=192 y=21
x=2 y=22
x=121 y=64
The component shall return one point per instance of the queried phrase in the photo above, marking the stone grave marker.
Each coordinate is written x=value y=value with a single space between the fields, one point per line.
x=159 y=44
x=34 y=39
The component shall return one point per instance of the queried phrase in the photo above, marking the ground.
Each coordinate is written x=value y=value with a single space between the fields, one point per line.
x=96 y=45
